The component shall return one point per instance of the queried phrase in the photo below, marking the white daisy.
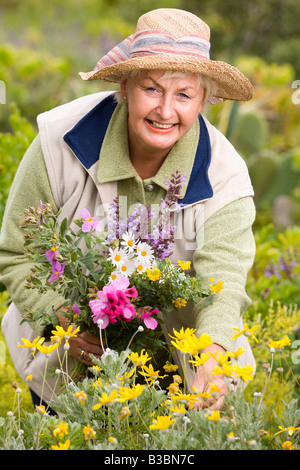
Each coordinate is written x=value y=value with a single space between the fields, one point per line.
x=140 y=266
x=144 y=253
x=118 y=256
x=128 y=241
x=116 y=274
x=127 y=268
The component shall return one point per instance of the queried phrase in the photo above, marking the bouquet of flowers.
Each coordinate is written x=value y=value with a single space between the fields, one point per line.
x=117 y=279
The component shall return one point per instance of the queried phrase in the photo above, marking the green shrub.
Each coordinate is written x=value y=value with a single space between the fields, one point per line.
x=12 y=148
x=34 y=80
x=9 y=379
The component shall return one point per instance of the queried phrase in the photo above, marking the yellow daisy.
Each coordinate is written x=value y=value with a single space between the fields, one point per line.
x=162 y=422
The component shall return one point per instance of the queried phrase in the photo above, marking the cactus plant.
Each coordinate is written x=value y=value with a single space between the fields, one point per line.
x=250 y=133
x=263 y=169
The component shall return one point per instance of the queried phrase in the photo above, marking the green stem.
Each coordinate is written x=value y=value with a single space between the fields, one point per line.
x=43 y=375
x=267 y=382
x=130 y=433
x=38 y=432
x=290 y=369
x=85 y=413
x=279 y=386
x=19 y=412
x=44 y=378
x=168 y=433
x=109 y=420
x=9 y=431
x=101 y=341
x=137 y=331
x=143 y=421
x=186 y=375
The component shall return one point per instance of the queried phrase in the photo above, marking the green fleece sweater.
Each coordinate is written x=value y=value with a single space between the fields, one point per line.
x=227 y=252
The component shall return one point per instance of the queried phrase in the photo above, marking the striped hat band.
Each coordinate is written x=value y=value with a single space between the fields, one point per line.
x=145 y=43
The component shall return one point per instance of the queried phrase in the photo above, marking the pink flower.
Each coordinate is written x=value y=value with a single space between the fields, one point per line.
x=148 y=320
x=128 y=312
x=113 y=303
x=89 y=221
x=57 y=270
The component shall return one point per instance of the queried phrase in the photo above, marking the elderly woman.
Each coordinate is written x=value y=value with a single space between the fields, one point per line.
x=128 y=144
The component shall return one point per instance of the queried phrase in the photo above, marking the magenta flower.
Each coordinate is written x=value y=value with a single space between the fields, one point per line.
x=89 y=221
x=57 y=270
x=113 y=303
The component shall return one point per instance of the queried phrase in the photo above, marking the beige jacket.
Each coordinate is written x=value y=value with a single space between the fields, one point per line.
x=74 y=186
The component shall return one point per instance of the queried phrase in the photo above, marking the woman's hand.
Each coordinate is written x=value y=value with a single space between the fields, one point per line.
x=84 y=344
x=204 y=378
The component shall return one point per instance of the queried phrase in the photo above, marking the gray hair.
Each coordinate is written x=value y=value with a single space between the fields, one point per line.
x=208 y=85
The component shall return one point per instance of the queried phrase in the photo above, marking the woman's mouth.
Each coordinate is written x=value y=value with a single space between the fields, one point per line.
x=160 y=128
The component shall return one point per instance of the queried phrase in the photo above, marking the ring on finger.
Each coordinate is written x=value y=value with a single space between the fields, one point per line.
x=82 y=353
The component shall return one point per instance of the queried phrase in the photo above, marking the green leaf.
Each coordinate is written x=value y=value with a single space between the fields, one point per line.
x=63 y=227
x=87 y=241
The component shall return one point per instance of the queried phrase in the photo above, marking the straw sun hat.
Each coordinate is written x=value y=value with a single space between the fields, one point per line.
x=171 y=39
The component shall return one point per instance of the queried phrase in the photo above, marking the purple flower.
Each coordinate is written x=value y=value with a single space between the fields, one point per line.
x=52 y=253
x=76 y=309
x=89 y=221
x=57 y=270
x=162 y=238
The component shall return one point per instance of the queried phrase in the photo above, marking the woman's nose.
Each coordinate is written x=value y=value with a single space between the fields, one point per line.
x=165 y=107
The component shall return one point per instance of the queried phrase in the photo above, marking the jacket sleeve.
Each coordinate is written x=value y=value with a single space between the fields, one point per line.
x=30 y=186
x=226 y=252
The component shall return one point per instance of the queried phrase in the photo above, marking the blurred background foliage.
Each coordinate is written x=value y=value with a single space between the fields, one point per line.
x=43 y=46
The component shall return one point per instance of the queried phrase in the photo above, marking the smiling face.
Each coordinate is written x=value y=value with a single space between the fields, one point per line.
x=160 y=110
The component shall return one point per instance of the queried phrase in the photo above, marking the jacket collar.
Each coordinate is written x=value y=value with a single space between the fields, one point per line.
x=86 y=138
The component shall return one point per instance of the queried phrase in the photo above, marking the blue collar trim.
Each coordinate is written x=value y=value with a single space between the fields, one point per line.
x=199 y=186
x=86 y=137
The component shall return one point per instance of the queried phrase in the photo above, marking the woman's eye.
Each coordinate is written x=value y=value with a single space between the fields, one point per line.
x=183 y=95
x=152 y=89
